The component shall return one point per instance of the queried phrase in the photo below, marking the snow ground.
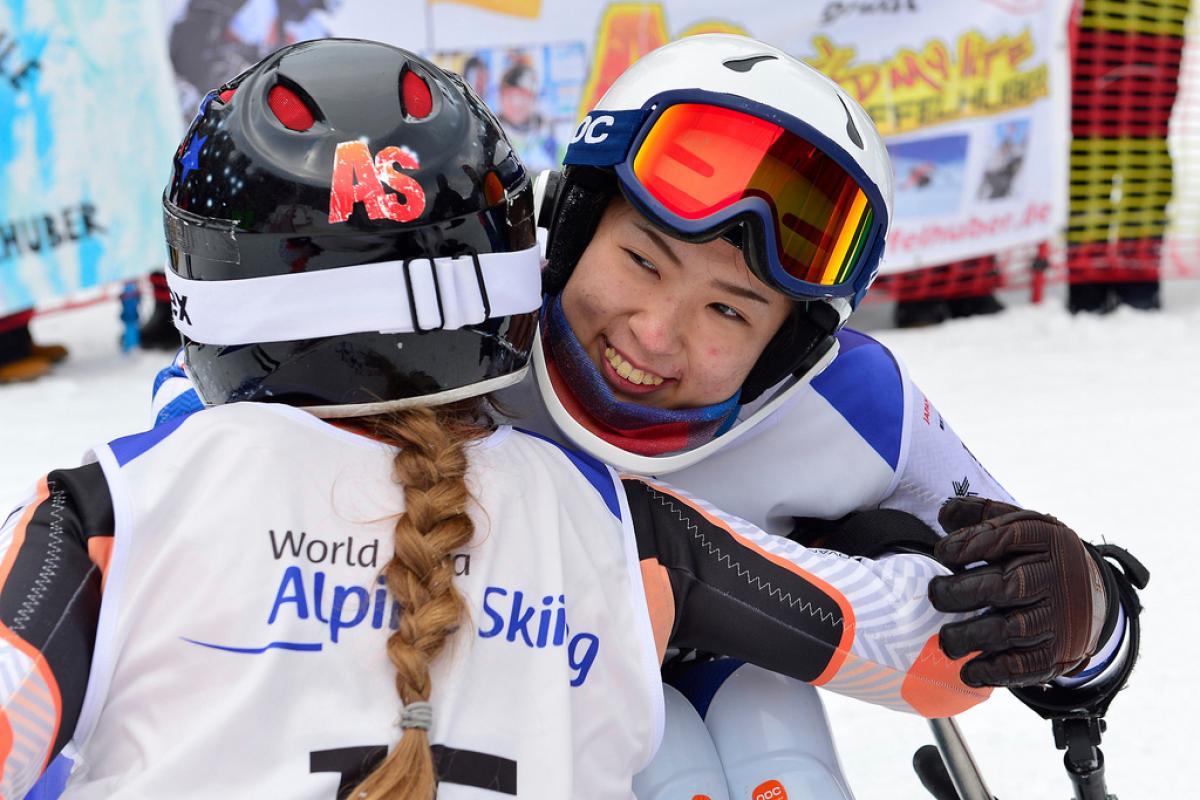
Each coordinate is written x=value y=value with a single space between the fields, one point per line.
x=1091 y=419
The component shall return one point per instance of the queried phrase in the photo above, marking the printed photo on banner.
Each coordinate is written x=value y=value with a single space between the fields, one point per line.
x=211 y=41
x=929 y=175
x=533 y=90
x=972 y=101
x=1005 y=159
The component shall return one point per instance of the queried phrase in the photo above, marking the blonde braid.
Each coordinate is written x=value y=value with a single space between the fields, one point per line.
x=431 y=465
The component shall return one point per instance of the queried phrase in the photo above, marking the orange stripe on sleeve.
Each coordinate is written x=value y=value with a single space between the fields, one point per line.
x=18 y=537
x=6 y=743
x=43 y=669
x=933 y=688
x=33 y=709
x=874 y=678
x=100 y=551
x=855 y=667
x=20 y=703
x=661 y=602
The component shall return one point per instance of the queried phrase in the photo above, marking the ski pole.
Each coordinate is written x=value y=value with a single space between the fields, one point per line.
x=964 y=773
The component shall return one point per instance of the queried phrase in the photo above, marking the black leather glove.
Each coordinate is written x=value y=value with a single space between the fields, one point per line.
x=1050 y=599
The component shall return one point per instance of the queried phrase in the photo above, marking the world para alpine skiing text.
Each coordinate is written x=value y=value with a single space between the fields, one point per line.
x=536 y=624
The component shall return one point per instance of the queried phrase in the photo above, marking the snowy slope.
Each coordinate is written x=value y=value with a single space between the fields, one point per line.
x=1093 y=420
x=1096 y=421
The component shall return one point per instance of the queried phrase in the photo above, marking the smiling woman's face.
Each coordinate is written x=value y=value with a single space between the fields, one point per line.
x=668 y=323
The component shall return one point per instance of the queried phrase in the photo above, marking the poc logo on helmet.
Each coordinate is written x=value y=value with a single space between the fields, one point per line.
x=589 y=129
x=770 y=790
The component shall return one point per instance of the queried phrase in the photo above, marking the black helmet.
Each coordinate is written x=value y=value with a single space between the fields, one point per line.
x=349 y=230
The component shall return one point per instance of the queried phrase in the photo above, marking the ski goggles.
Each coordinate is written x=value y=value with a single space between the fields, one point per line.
x=700 y=163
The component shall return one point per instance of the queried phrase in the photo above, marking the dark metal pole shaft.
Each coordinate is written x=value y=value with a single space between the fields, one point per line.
x=959 y=763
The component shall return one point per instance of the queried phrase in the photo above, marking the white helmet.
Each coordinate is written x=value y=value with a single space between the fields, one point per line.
x=724 y=136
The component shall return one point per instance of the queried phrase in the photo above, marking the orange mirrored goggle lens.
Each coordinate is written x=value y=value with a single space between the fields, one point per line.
x=698 y=160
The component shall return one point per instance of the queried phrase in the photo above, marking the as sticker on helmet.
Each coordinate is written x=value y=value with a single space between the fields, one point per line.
x=359 y=179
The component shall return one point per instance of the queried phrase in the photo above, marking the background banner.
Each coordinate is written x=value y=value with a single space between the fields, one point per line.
x=87 y=127
x=974 y=101
x=972 y=97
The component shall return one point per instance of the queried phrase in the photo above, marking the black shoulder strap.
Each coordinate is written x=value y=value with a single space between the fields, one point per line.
x=869 y=533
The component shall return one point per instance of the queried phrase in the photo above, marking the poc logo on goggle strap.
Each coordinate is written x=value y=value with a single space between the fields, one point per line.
x=603 y=137
x=593 y=130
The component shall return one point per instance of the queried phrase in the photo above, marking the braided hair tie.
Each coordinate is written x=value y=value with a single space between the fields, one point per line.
x=417 y=715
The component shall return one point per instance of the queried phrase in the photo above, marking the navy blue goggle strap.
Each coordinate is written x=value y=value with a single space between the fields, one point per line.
x=603 y=138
